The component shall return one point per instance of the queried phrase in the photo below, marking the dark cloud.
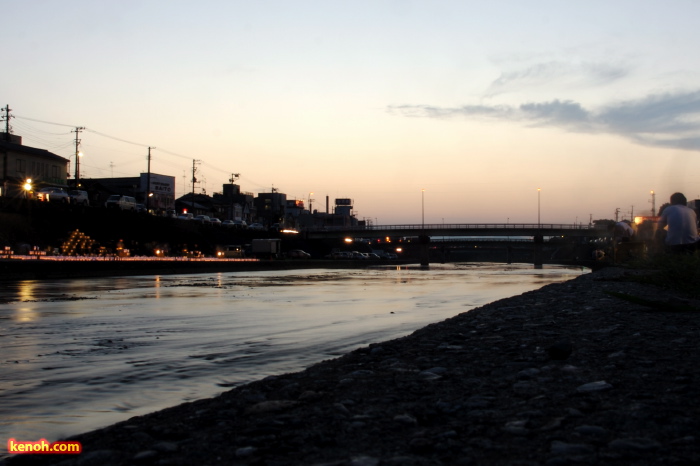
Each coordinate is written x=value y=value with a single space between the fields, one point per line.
x=667 y=113
x=664 y=120
x=567 y=114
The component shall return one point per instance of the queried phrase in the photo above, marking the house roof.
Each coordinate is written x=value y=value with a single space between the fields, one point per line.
x=19 y=148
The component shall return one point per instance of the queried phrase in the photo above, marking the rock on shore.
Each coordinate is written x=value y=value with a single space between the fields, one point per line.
x=568 y=374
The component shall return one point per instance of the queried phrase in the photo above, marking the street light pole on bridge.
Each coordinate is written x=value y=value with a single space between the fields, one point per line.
x=538 y=207
x=424 y=240
x=422 y=223
x=538 y=239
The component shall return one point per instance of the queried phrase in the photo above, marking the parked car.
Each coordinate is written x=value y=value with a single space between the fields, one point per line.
x=298 y=254
x=117 y=201
x=256 y=226
x=79 y=197
x=339 y=255
x=185 y=216
x=215 y=221
x=53 y=195
x=203 y=219
x=239 y=224
x=170 y=214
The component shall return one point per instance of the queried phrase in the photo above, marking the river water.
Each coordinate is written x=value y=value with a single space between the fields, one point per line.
x=82 y=354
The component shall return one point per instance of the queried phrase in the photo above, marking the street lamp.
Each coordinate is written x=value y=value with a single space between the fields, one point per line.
x=423 y=209
x=77 y=168
x=538 y=207
x=27 y=187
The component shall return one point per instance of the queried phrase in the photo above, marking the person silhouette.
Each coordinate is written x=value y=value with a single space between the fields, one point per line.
x=682 y=224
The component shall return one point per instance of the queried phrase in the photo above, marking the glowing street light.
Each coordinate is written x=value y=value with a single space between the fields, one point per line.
x=27 y=187
x=77 y=168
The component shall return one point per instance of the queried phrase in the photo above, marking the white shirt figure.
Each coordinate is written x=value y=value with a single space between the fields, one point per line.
x=623 y=230
x=682 y=224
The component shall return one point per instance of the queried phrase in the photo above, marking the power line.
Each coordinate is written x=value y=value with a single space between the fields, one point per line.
x=115 y=138
x=176 y=155
x=26 y=127
x=42 y=121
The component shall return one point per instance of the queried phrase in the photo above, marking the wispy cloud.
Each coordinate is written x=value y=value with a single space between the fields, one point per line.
x=662 y=120
x=577 y=74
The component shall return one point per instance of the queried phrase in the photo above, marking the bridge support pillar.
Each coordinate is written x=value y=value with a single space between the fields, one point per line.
x=538 y=251
x=424 y=250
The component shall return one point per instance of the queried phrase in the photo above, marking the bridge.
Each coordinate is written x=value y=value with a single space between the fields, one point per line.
x=532 y=233
x=462 y=229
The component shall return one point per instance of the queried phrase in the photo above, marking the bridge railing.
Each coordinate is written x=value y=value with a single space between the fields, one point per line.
x=457 y=226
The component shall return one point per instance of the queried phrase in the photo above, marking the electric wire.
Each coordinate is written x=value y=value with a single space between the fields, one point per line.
x=115 y=138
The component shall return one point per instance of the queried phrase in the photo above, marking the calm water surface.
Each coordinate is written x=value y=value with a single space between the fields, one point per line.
x=82 y=354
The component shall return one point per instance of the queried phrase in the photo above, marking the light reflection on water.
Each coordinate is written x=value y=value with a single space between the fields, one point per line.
x=82 y=354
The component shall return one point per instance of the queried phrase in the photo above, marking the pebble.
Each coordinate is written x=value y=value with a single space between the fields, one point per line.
x=598 y=386
x=244 y=452
x=405 y=419
x=426 y=375
x=638 y=445
x=166 y=447
x=145 y=455
x=560 y=350
x=363 y=461
x=571 y=449
x=517 y=427
x=591 y=431
x=273 y=405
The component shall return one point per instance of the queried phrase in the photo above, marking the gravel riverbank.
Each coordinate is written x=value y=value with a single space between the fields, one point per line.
x=568 y=374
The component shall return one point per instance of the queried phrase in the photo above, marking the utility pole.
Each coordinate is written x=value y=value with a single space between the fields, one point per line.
x=148 y=181
x=8 y=128
x=194 y=178
x=77 y=155
x=653 y=204
x=3 y=187
x=231 y=213
x=617 y=212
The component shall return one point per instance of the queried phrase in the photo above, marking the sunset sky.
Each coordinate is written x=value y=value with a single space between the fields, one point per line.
x=478 y=103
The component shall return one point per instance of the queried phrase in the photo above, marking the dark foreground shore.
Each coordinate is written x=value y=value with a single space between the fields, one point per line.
x=568 y=374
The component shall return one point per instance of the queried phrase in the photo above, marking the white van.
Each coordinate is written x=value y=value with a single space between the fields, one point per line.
x=121 y=202
x=79 y=197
